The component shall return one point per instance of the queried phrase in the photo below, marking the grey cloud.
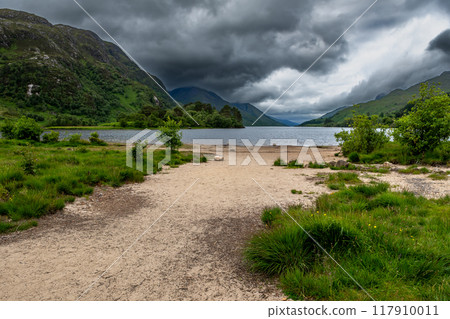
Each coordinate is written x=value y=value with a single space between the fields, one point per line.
x=441 y=42
x=227 y=45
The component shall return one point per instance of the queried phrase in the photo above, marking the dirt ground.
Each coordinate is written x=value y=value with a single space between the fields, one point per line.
x=180 y=234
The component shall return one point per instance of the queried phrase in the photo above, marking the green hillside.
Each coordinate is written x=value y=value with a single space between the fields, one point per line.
x=386 y=106
x=61 y=75
x=249 y=112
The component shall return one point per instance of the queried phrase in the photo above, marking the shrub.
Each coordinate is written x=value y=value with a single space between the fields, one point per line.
x=366 y=136
x=7 y=129
x=95 y=140
x=171 y=130
x=27 y=129
x=294 y=191
x=354 y=157
x=50 y=137
x=427 y=125
x=75 y=140
x=29 y=163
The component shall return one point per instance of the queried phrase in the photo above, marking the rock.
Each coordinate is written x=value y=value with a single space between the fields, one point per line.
x=387 y=165
x=218 y=158
x=342 y=163
x=332 y=164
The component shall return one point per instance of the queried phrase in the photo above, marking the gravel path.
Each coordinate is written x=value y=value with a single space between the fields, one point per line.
x=192 y=252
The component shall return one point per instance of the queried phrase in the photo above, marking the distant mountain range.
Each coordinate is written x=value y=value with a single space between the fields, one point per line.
x=249 y=112
x=384 y=105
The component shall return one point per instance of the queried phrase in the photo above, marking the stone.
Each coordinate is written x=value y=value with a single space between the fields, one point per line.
x=218 y=158
x=332 y=164
x=342 y=163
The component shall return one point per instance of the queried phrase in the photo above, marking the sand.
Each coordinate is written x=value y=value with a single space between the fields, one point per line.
x=180 y=234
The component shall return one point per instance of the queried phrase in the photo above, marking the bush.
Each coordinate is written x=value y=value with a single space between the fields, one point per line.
x=95 y=140
x=27 y=129
x=427 y=125
x=7 y=130
x=365 y=137
x=75 y=140
x=29 y=163
x=171 y=130
x=354 y=157
x=50 y=137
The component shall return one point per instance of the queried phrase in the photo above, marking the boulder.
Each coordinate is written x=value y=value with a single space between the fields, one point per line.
x=218 y=158
x=387 y=165
x=332 y=164
x=342 y=163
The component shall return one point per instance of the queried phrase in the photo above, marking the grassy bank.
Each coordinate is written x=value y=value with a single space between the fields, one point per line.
x=398 y=154
x=394 y=244
x=38 y=179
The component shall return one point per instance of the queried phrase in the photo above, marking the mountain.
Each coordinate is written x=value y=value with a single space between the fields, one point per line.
x=49 y=71
x=384 y=106
x=249 y=112
x=285 y=122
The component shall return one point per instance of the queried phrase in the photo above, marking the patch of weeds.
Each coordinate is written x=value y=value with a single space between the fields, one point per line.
x=269 y=215
x=317 y=165
x=438 y=176
x=294 y=164
x=415 y=170
x=294 y=191
x=279 y=162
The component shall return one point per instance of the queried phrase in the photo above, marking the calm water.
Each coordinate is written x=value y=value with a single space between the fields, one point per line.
x=320 y=135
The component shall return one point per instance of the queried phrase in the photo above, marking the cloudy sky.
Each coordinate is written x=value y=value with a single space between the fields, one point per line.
x=252 y=50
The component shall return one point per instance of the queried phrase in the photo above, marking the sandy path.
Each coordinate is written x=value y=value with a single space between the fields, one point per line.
x=193 y=252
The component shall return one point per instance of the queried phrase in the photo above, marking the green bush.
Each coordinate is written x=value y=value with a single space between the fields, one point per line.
x=51 y=137
x=27 y=129
x=366 y=136
x=427 y=125
x=354 y=157
x=95 y=140
x=7 y=129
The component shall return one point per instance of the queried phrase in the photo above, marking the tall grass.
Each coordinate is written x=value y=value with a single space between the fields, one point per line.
x=394 y=244
x=39 y=179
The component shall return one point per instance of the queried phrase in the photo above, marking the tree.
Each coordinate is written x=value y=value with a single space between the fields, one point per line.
x=427 y=125
x=171 y=129
x=365 y=137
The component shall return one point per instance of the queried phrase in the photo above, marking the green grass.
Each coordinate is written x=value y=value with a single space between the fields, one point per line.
x=338 y=180
x=317 y=165
x=394 y=244
x=294 y=191
x=290 y=164
x=438 y=176
x=397 y=154
x=413 y=169
x=38 y=179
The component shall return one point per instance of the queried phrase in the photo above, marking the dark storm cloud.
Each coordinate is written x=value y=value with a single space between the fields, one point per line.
x=441 y=42
x=225 y=46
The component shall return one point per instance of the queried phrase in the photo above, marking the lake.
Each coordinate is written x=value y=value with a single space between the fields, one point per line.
x=322 y=136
